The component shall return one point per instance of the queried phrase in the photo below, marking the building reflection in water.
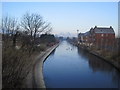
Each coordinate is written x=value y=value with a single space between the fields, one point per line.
x=95 y=63
x=99 y=65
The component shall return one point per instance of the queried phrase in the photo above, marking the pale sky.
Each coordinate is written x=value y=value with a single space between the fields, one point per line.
x=67 y=17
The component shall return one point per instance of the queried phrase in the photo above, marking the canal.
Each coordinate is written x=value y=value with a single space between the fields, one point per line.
x=70 y=67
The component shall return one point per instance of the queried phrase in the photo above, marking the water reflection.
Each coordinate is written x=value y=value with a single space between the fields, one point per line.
x=99 y=65
x=71 y=67
x=95 y=63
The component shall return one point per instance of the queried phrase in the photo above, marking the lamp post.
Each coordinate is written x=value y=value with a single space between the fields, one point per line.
x=77 y=37
x=77 y=32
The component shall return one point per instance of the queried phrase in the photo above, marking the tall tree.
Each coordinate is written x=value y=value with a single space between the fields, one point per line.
x=10 y=28
x=34 y=24
x=27 y=23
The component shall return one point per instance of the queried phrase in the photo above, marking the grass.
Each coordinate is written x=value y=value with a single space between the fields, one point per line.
x=14 y=61
x=109 y=55
x=41 y=47
x=16 y=64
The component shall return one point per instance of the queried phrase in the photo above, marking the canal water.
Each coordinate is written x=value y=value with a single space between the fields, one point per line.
x=70 y=67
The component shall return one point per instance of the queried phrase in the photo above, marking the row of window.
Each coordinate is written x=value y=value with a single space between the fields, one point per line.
x=104 y=35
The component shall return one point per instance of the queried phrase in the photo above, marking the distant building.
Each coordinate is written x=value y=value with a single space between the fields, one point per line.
x=84 y=38
x=100 y=37
x=81 y=37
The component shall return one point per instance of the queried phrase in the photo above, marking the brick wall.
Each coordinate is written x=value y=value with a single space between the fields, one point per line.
x=103 y=40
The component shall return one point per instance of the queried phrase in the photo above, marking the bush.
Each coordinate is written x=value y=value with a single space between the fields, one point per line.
x=15 y=66
x=41 y=47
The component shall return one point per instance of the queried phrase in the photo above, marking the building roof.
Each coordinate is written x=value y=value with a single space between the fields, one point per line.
x=103 y=30
x=98 y=30
x=87 y=33
x=84 y=34
x=81 y=34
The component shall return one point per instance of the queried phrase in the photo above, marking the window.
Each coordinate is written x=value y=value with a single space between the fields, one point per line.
x=102 y=35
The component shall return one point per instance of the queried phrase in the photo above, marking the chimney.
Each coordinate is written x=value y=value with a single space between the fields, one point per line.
x=95 y=26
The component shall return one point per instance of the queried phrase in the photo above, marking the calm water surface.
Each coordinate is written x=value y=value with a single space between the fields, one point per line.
x=71 y=67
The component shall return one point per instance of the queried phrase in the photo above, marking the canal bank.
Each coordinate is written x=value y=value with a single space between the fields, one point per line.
x=110 y=61
x=35 y=77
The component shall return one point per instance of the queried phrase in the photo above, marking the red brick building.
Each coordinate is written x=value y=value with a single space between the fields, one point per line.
x=100 y=37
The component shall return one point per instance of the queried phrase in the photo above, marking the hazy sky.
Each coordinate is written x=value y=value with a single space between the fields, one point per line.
x=67 y=17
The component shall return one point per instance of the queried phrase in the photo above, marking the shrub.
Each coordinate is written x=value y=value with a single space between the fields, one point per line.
x=42 y=47
x=15 y=66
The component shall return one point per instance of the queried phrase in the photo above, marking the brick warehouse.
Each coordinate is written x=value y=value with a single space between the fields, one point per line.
x=100 y=37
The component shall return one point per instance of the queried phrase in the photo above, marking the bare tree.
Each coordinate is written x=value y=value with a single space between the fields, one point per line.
x=5 y=25
x=10 y=28
x=34 y=24
x=47 y=29
x=27 y=23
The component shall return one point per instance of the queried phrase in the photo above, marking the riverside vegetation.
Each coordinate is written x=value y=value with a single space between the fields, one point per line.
x=21 y=43
x=113 y=57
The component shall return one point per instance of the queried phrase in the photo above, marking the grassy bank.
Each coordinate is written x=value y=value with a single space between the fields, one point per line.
x=111 y=57
x=22 y=41
x=17 y=63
